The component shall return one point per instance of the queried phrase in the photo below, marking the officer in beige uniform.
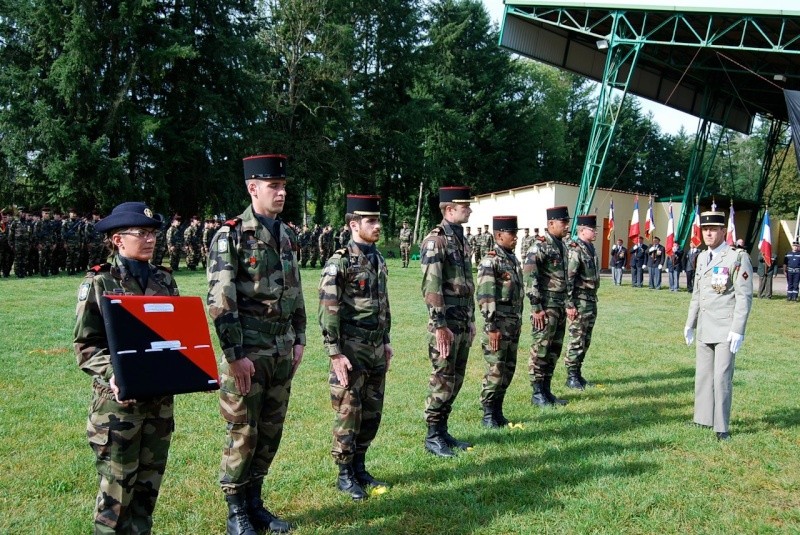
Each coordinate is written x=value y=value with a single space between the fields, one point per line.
x=718 y=311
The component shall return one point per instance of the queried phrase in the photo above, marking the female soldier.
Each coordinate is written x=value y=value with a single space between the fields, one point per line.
x=130 y=438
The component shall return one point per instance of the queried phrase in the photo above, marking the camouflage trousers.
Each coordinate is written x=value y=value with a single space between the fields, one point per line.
x=501 y=364
x=478 y=256
x=131 y=445
x=580 y=333
x=309 y=253
x=254 y=421
x=547 y=344
x=359 y=407
x=193 y=257
x=73 y=253
x=45 y=258
x=21 y=260
x=405 y=253
x=6 y=259
x=447 y=376
x=175 y=259
x=158 y=255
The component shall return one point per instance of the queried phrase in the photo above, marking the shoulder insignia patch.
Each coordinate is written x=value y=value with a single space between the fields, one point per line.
x=534 y=249
x=331 y=270
x=222 y=243
x=430 y=245
x=83 y=291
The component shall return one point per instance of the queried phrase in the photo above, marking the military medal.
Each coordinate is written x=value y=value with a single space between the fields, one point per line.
x=719 y=278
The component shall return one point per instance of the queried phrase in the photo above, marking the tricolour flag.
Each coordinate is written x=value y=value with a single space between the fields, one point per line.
x=670 y=231
x=650 y=222
x=730 y=236
x=697 y=236
x=765 y=244
x=633 y=231
x=611 y=219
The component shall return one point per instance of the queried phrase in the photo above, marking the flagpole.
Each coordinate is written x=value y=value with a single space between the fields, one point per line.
x=797 y=225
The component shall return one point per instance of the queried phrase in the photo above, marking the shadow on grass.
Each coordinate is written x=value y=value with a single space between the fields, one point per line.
x=470 y=493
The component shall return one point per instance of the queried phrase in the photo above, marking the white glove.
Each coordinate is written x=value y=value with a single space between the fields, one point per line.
x=660 y=266
x=688 y=335
x=736 y=340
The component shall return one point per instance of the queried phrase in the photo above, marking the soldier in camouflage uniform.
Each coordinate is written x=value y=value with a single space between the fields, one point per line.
x=174 y=240
x=355 y=320
x=583 y=279
x=545 y=272
x=344 y=236
x=500 y=295
x=20 y=236
x=448 y=290
x=191 y=242
x=405 y=244
x=527 y=241
x=95 y=241
x=6 y=258
x=477 y=243
x=161 y=245
x=44 y=239
x=130 y=438
x=325 y=242
x=72 y=234
x=256 y=301
x=304 y=242
x=208 y=236
x=488 y=240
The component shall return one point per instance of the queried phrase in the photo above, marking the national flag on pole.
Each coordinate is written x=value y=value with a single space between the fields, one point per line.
x=633 y=231
x=610 y=219
x=730 y=237
x=765 y=244
x=697 y=237
x=650 y=223
x=670 y=231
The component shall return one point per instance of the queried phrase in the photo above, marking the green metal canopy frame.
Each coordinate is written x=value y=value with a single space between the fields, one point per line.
x=675 y=56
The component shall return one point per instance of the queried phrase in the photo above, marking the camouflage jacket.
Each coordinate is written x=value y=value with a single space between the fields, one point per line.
x=447 y=284
x=527 y=241
x=353 y=299
x=545 y=272
x=174 y=236
x=191 y=236
x=499 y=290
x=583 y=275
x=91 y=236
x=44 y=232
x=90 y=341
x=487 y=242
x=405 y=235
x=208 y=235
x=254 y=280
x=20 y=233
x=72 y=231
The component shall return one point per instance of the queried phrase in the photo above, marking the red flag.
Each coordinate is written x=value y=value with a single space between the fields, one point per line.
x=634 y=229
x=730 y=236
x=670 y=231
x=697 y=237
x=649 y=223
x=611 y=219
x=765 y=245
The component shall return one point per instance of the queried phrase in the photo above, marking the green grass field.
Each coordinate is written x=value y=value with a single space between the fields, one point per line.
x=618 y=459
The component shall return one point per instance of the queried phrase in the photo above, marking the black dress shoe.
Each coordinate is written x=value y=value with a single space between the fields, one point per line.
x=723 y=436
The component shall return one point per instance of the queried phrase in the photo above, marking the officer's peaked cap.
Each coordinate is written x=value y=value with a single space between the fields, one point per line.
x=265 y=167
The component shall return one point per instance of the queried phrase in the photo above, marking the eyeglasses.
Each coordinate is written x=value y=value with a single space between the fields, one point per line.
x=140 y=233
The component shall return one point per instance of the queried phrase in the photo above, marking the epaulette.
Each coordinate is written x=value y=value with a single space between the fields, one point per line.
x=491 y=253
x=573 y=244
x=165 y=268
x=435 y=231
x=541 y=238
x=233 y=222
x=99 y=268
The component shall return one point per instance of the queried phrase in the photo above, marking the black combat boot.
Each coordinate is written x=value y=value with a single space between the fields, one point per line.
x=550 y=397
x=259 y=516
x=348 y=483
x=539 y=398
x=238 y=521
x=435 y=443
x=489 y=415
x=498 y=411
x=574 y=379
x=363 y=477
x=450 y=440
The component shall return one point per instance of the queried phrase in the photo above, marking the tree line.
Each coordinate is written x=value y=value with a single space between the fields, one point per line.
x=114 y=100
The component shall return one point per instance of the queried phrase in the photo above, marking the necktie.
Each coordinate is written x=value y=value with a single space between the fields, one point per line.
x=710 y=256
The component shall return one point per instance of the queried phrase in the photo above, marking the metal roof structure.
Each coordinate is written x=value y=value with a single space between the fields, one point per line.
x=747 y=55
